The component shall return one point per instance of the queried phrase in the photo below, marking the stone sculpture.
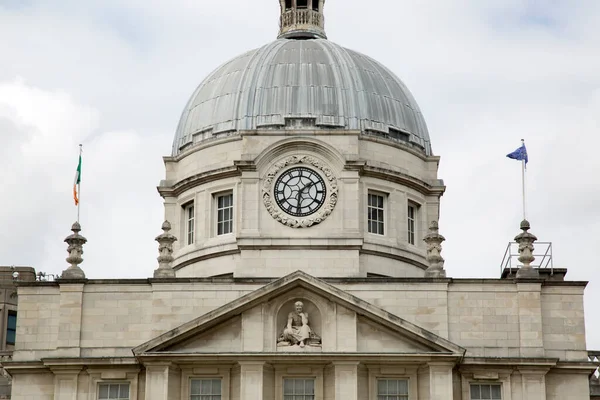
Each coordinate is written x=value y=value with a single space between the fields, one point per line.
x=297 y=330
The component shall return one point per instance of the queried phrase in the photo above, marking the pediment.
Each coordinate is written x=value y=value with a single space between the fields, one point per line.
x=339 y=321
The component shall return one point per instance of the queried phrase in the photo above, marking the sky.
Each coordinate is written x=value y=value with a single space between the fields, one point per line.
x=115 y=75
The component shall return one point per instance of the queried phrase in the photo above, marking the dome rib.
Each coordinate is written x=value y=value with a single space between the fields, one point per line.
x=316 y=79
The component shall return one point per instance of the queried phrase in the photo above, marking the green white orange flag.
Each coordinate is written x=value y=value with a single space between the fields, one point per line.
x=77 y=181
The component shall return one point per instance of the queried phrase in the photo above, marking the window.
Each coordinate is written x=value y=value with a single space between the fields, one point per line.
x=224 y=214
x=375 y=220
x=301 y=3
x=412 y=222
x=118 y=391
x=288 y=4
x=486 y=391
x=11 y=327
x=298 y=389
x=189 y=223
x=205 y=389
x=392 y=389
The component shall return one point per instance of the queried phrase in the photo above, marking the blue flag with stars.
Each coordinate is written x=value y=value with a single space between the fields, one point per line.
x=519 y=154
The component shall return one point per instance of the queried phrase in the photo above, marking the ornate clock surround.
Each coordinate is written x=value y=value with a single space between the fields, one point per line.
x=300 y=222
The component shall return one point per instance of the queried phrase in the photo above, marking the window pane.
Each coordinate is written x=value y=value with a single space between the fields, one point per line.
x=205 y=387
x=103 y=391
x=485 y=392
x=310 y=386
x=216 y=386
x=124 y=392
x=12 y=320
x=288 y=386
x=403 y=387
x=496 y=393
x=113 y=391
x=382 y=387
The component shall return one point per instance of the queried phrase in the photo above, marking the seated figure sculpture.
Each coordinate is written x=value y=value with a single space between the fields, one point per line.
x=297 y=330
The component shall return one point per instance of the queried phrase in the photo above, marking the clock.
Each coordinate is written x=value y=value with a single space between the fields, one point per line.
x=300 y=191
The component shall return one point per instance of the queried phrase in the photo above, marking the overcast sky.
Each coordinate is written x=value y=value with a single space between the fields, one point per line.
x=116 y=74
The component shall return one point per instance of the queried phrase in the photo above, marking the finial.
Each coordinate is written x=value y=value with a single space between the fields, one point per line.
x=525 y=241
x=75 y=250
x=302 y=19
x=165 y=250
x=434 y=249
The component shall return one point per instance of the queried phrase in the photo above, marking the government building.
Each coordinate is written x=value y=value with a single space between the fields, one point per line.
x=301 y=259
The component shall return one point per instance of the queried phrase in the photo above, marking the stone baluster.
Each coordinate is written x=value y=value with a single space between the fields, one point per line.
x=525 y=241
x=434 y=249
x=165 y=250
x=75 y=250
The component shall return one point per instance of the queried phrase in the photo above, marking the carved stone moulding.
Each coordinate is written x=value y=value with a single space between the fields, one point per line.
x=300 y=222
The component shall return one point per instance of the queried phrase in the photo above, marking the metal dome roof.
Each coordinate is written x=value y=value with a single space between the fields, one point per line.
x=314 y=80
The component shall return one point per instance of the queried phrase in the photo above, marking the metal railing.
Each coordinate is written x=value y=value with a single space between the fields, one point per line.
x=594 y=356
x=542 y=254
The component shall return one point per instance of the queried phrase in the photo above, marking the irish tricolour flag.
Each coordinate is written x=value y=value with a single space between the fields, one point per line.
x=76 y=182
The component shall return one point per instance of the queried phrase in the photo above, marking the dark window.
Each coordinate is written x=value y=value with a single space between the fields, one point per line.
x=316 y=5
x=392 y=389
x=205 y=389
x=298 y=389
x=288 y=4
x=302 y=3
x=11 y=327
x=116 y=391
x=486 y=391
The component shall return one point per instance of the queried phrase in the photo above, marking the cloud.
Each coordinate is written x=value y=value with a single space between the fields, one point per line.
x=116 y=76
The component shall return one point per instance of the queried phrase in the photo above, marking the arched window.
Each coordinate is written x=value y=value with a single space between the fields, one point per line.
x=302 y=3
x=288 y=5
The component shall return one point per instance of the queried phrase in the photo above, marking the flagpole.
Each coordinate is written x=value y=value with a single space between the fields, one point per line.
x=79 y=186
x=523 y=169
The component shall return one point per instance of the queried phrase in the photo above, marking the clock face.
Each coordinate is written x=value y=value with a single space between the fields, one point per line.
x=300 y=191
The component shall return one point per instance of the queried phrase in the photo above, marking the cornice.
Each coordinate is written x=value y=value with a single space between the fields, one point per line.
x=198 y=179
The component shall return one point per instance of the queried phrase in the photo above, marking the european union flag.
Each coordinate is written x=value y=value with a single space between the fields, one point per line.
x=519 y=154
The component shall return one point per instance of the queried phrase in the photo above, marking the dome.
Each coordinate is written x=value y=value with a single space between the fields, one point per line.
x=290 y=82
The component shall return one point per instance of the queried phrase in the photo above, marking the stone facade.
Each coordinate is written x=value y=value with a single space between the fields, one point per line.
x=9 y=277
x=440 y=335
x=301 y=259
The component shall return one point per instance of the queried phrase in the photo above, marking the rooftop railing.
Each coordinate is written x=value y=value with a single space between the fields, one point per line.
x=301 y=17
x=542 y=254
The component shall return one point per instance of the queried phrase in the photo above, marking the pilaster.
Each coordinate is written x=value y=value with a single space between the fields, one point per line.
x=65 y=383
x=162 y=382
x=440 y=381
x=346 y=380
x=533 y=382
x=530 y=320
x=69 y=329
x=252 y=380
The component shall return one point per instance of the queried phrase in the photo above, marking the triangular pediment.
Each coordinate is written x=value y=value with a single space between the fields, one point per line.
x=252 y=323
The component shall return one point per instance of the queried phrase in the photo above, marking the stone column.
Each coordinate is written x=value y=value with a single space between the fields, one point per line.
x=252 y=381
x=346 y=380
x=65 y=383
x=531 y=337
x=533 y=382
x=69 y=327
x=163 y=381
x=440 y=381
